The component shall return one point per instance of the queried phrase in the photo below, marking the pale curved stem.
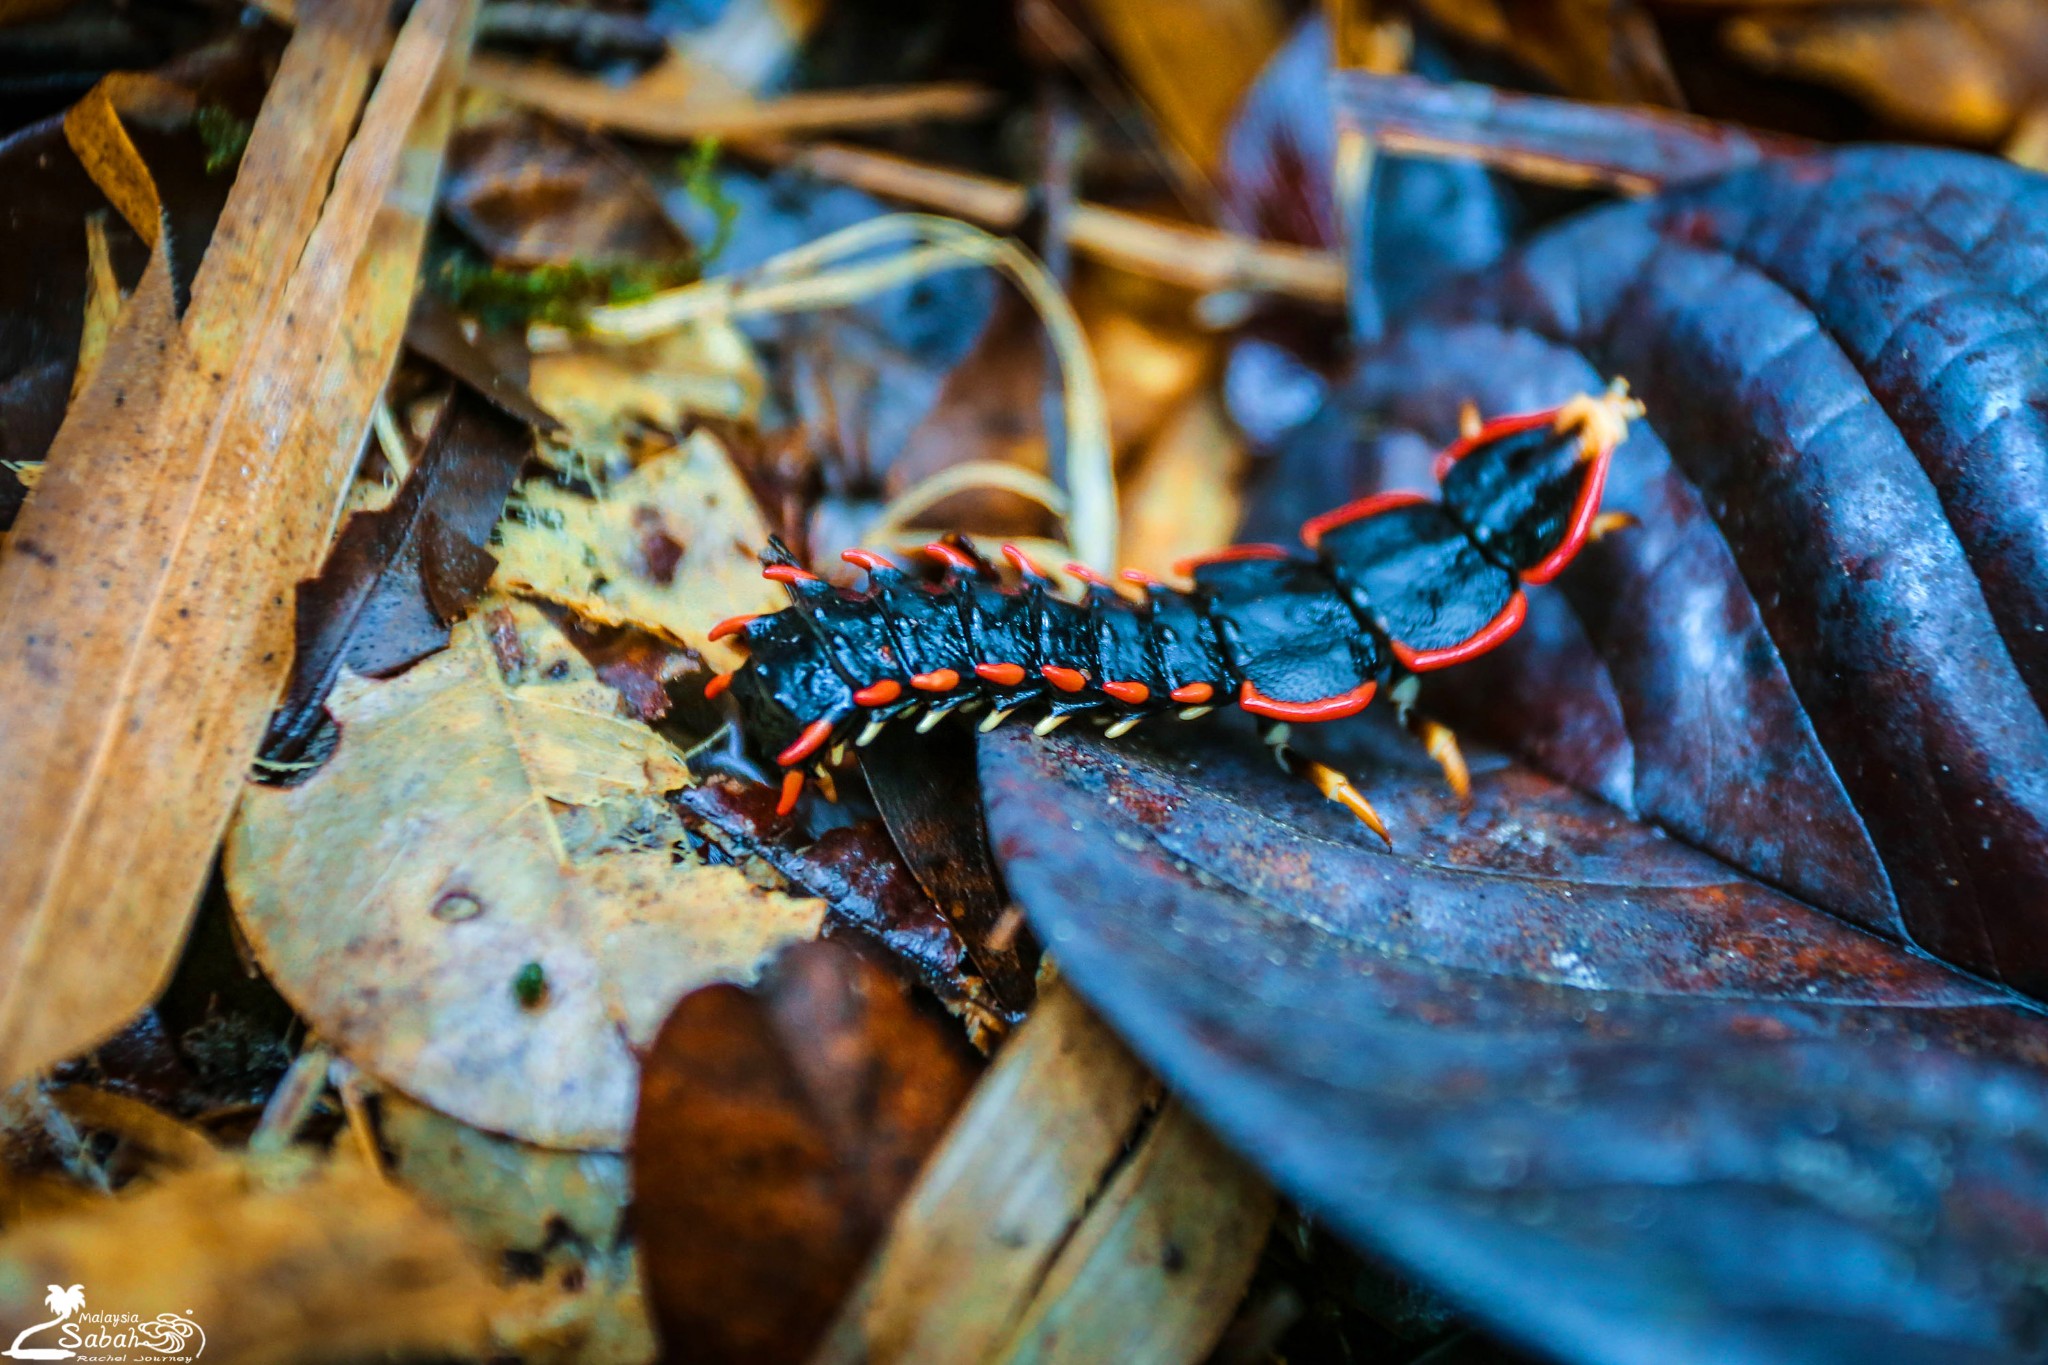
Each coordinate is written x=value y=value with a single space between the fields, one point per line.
x=816 y=275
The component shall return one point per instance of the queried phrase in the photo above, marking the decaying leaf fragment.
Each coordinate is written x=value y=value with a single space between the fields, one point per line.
x=480 y=897
x=552 y=1225
x=668 y=548
x=397 y=576
x=777 y=1129
x=271 y=1259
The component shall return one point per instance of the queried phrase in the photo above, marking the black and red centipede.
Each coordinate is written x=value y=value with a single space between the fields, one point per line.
x=1392 y=586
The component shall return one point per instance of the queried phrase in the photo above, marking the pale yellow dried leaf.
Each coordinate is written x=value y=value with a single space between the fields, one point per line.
x=467 y=825
x=592 y=555
x=601 y=391
x=102 y=303
x=274 y=1261
x=1039 y=1231
x=586 y=1306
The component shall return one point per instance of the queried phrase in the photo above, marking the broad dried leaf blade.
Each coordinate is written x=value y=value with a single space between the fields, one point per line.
x=1596 y=1087
x=491 y=816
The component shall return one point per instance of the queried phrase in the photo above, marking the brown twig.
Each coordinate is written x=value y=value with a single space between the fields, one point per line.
x=1197 y=258
x=628 y=109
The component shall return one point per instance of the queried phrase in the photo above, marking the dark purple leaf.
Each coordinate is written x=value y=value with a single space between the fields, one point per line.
x=1426 y=220
x=1616 y=1100
x=1628 y=148
x=1822 y=655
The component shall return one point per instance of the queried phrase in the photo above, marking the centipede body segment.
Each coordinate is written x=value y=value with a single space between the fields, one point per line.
x=1391 y=585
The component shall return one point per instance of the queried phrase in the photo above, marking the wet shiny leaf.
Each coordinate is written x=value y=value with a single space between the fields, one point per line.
x=1823 y=655
x=1614 y=1099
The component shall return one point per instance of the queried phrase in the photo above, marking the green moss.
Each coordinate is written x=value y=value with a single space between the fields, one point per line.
x=503 y=297
x=224 y=135
x=699 y=171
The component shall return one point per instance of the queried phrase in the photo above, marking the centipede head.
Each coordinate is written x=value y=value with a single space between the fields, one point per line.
x=1529 y=487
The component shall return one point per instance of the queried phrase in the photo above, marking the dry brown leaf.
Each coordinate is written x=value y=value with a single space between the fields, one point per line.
x=1011 y=1247
x=553 y=1224
x=1965 y=70
x=530 y=191
x=490 y=813
x=342 y=1265
x=1591 y=49
x=779 y=1128
x=669 y=548
x=218 y=444
x=1192 y=60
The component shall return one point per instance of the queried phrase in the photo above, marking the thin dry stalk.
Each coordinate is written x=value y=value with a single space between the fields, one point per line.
x=627 y=108
x=818 y=275
x=1205 y=260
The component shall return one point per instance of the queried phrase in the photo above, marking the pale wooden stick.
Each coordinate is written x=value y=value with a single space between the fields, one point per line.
x=1038 y=1230
x=630 y=110
x=145 y=599
x=1197 y=258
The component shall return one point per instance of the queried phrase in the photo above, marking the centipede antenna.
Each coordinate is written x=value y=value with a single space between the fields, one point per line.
x=1601 y=421
x=995 y=718
x=1051 y=723
x=1124 y=726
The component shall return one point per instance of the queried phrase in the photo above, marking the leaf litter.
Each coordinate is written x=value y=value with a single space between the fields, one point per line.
x=399 y=892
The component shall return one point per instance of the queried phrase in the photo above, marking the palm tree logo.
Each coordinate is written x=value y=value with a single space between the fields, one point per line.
x=61 y=1301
